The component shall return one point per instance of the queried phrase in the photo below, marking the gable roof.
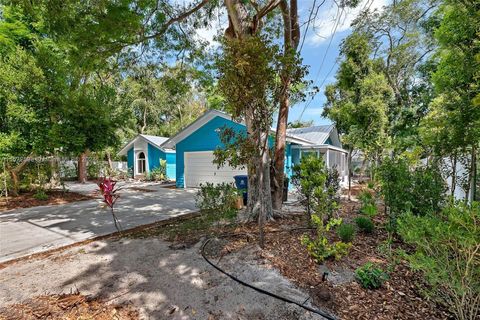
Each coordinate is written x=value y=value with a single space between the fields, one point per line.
x=315 y=134
x=206 y=117
x=155 y=141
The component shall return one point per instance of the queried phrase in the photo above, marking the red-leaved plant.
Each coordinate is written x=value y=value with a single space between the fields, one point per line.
x=110 y=196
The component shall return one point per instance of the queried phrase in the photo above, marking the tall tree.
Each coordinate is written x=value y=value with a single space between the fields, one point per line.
x=453 y=125
x=358 y=101
x=402 y=37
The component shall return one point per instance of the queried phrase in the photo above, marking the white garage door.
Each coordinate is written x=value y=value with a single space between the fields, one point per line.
x=199 y=168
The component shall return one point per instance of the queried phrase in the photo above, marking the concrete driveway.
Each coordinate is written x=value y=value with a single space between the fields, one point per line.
x=32 y=230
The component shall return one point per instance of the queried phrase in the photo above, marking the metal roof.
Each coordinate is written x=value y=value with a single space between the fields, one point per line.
x=315 y=134
x=155 y=139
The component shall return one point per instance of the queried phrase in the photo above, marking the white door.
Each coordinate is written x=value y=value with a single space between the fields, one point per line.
x=199 y=168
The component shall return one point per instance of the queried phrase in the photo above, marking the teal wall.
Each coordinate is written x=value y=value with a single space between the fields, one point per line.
x=204 y=138
x=154 y=156
x=288 y=160
x=130 y=159
x=207 y=139
x=171 y=165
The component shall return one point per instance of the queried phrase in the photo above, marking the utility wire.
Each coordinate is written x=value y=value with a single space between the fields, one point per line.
x=367 y=3
x=332 y=35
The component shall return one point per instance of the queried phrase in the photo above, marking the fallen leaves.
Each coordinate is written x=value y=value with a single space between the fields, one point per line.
x=67 y=306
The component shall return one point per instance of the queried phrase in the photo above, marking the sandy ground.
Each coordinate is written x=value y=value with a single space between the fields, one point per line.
x=161 y=282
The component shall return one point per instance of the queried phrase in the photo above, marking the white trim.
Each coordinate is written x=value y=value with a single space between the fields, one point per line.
x=135 y=165
x=320 y=146
x=194 y=126
x=127 y=147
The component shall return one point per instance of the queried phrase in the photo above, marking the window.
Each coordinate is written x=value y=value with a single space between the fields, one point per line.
x=141 y=163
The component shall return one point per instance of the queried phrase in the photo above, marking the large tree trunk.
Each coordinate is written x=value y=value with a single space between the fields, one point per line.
x=55 y=177
x=82 y=167
x=291 y=35
x=279 y=155
x=14 y=175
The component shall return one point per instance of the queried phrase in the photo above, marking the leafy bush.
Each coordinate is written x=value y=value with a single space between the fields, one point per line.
x=41 y=195
x=320 y=248
x=447 y=252
x=317 y=185
x=309 y=177
x=346 y=232
x=366 y=198
x=365 y=224
x=95 y=168
x=158 y=173
x=370 y=276
x=421 y=190
x=220 y=198
x=369 y=210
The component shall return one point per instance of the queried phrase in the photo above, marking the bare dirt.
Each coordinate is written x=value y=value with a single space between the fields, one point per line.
x=159 y=281
x=26 y=200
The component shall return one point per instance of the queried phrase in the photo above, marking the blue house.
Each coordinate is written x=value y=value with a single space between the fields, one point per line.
x=195 y=144
x=144 y=154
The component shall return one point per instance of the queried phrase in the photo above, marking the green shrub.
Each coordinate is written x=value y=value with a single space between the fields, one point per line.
x=318 y=186
x=320 y=248
x=41 y=195
x=366 y=198
x=220 y=198
x=346 y=232
x=365 y=224
x=369 y=210
x=420 y=190
x=370 y=276
x=447 y=246
x=158 y=173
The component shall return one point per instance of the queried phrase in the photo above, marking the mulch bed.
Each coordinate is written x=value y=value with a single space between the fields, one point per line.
x=26 y=200
x=68 y=306
x=399 y=298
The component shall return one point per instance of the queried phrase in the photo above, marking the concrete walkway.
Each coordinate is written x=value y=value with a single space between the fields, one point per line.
x=32 y=230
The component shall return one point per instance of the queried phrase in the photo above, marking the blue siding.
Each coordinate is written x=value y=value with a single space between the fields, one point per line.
x=171 y=165
x=288 y=160
x=130 y=159
x=204 y=139
x=295 y=156
x=154 y=156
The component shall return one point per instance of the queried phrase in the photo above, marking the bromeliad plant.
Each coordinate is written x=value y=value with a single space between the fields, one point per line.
x=110 y=196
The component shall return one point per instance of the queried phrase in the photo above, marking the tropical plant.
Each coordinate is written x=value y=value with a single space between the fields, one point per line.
x=319 y=247
x=370 y=276
x=110 y=196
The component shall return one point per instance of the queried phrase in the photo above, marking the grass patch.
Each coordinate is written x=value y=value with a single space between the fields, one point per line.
x=190 y=230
